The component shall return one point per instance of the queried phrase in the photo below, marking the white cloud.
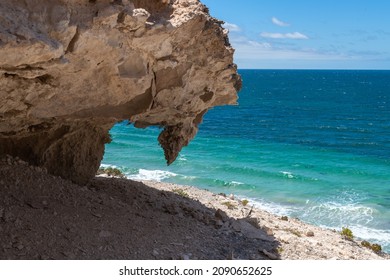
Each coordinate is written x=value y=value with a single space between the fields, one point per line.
x=279 y=22
x=231 y=27
x=294 y=35
x=263 y=53
x=249 y=50
x=276 y=54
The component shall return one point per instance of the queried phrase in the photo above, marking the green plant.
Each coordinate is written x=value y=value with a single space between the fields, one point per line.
x=244 y=202
x=295 y=232
x=229 y=205
x=284 y=218
x=347 y=233
x=181 y=193
x=366 y=244
x=111 y=171
x=376 y=248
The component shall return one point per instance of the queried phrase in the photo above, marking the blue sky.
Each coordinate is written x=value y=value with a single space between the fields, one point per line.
x=307 y=34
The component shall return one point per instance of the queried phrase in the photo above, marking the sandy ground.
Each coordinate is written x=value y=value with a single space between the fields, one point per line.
x=46 y=217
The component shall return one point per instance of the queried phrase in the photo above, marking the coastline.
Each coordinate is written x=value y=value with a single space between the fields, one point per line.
x=296 y=240
x=45 y=217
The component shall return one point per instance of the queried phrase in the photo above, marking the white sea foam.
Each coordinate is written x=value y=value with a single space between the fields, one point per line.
x=108 y=165
x=380 y=236
x=275 y=208
x=236 y=183
x=330 y=214
x=151 y=175
x=357 y=217
x=334 y=216
x=375 y=235
x=182 y=158
x=287 y=174
x=228 y=183
x=337 y=214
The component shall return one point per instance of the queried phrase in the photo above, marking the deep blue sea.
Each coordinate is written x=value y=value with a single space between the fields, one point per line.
x=308 y=144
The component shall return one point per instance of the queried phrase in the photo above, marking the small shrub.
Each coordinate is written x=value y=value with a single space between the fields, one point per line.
x=280 y=250
x=244 y=202
x=347 y=233
x=366 y=244
x=181 y=193
x=100 y=171
x=284 y=218
x=295 y=232
x=229 y=205
x=111 y=171
x=376 y=248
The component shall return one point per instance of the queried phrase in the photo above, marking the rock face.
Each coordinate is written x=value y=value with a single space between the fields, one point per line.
x=69 y=70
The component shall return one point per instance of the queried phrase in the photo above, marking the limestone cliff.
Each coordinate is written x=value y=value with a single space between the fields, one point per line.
x=70 y=69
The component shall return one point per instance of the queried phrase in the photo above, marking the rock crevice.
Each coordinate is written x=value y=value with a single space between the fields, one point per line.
x=69 y=70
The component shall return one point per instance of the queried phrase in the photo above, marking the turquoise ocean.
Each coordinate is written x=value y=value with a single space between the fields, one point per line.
x=308 y=144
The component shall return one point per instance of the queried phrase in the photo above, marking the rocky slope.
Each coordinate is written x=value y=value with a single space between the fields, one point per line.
x=70 y=69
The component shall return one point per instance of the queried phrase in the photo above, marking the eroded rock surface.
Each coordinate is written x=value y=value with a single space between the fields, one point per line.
x=70 y=69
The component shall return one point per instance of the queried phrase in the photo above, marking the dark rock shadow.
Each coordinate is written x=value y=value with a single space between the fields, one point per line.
x=45 y=217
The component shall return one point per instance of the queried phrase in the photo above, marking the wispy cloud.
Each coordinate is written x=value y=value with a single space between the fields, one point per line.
x=294 y=35
x=250 y=50
x=263 y=52
x=276 y=50
x=231 y=27
x=279 y=22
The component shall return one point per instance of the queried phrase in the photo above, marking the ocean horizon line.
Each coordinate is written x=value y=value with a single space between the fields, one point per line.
x=310 y=69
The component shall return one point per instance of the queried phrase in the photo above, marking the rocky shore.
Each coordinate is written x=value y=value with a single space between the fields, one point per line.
x=45 y=217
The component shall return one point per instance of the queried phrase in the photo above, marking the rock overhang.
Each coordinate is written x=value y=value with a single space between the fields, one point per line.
x=69 y=70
